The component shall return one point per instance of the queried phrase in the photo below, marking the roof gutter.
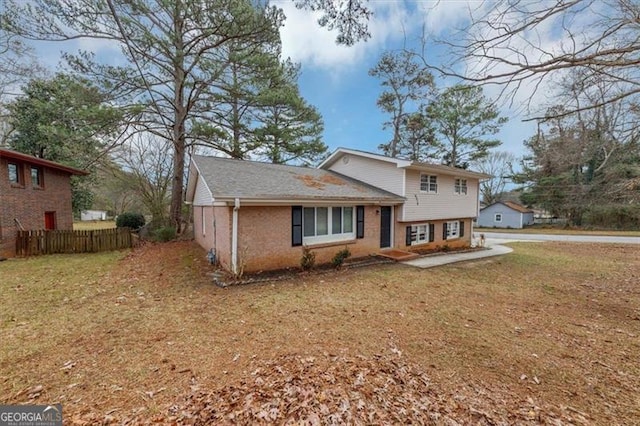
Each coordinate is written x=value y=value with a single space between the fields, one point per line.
x=308 y=201
x=15 y=155
x=450 y=171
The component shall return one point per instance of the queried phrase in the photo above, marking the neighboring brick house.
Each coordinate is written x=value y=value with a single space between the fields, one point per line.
x=258 y=216
x=34 y=194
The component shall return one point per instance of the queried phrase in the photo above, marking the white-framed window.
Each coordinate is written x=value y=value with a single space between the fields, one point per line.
x=453 y=229
x=419 y=234
x=498 y=217
x=460 y=186
x=428 y=183
x=327 y=224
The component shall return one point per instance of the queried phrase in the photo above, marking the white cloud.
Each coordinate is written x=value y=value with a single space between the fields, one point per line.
x=305 y=41
x=444 y=16
x=549 y=38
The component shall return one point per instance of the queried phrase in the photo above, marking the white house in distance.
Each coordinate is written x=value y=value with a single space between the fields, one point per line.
x=258 y=216
x=88 y=215
x=505 y=214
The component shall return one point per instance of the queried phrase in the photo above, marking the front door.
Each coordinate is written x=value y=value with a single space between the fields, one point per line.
x=385 y=226
x=49 y=220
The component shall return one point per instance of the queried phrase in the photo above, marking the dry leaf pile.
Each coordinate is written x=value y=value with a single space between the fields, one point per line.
x=337 y=390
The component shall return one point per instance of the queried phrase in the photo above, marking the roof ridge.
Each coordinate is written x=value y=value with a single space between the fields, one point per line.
x=244 y=160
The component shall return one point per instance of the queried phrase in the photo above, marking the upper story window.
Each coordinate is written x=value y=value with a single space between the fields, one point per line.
x=428 y=183
x=36 y=177
x=460 y=186
x=15 y=174
x=498 y=217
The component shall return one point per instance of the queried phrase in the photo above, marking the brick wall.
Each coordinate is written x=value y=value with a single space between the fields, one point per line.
x=265 y=239
x=212 y=230
x=28 y=204
x=400 y=236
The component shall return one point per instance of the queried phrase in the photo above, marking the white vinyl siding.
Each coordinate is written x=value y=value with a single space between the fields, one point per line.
x=327 y=224
x=381 y=174
x=202 y=196
x=446 y=204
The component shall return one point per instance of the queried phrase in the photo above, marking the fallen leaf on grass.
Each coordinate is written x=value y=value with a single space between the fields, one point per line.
x=68 y=365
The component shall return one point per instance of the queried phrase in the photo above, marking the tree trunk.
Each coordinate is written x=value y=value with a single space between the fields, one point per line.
x=178 y=134
x=178 y=176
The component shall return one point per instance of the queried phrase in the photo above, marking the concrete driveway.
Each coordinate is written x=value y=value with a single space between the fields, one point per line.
x=493 y=237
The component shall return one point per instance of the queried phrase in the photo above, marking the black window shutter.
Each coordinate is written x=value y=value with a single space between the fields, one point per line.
x=432 y=231
x=461 y=228
x=444 y=231
x=408 y=237
x=296 y=225
x=359 y=221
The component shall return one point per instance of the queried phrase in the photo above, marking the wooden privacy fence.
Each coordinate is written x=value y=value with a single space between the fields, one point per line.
x=33 y=243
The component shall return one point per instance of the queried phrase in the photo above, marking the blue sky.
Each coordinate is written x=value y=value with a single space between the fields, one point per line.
x=335 y=78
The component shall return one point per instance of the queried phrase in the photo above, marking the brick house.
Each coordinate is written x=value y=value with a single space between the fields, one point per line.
x=258 y=216
x=34 y=194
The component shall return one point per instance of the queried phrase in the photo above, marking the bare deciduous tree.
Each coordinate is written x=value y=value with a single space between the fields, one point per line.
x=148 y=166
x=498 y=164
x=508 y=43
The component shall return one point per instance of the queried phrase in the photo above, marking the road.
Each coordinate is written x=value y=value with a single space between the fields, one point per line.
x=493 y=237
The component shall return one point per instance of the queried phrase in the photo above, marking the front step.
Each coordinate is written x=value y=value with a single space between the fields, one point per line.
x=398 y=255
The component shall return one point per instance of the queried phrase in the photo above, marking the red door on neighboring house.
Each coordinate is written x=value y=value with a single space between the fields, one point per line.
x=49 y=220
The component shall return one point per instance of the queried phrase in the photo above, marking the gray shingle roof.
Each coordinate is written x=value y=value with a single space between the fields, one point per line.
x=230 y=178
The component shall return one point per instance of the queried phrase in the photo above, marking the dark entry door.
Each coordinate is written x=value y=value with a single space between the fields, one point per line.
x=385 y=226
x=49 y=220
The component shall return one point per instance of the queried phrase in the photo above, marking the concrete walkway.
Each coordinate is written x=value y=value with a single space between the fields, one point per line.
x=494 y=241
x=444 y=259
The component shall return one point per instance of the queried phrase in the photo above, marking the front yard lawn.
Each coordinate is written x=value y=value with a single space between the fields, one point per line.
x=547 y=333
x=92 y=225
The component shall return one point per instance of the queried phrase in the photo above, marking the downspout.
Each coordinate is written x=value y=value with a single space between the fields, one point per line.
x=234 y=237
x=471 y=237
